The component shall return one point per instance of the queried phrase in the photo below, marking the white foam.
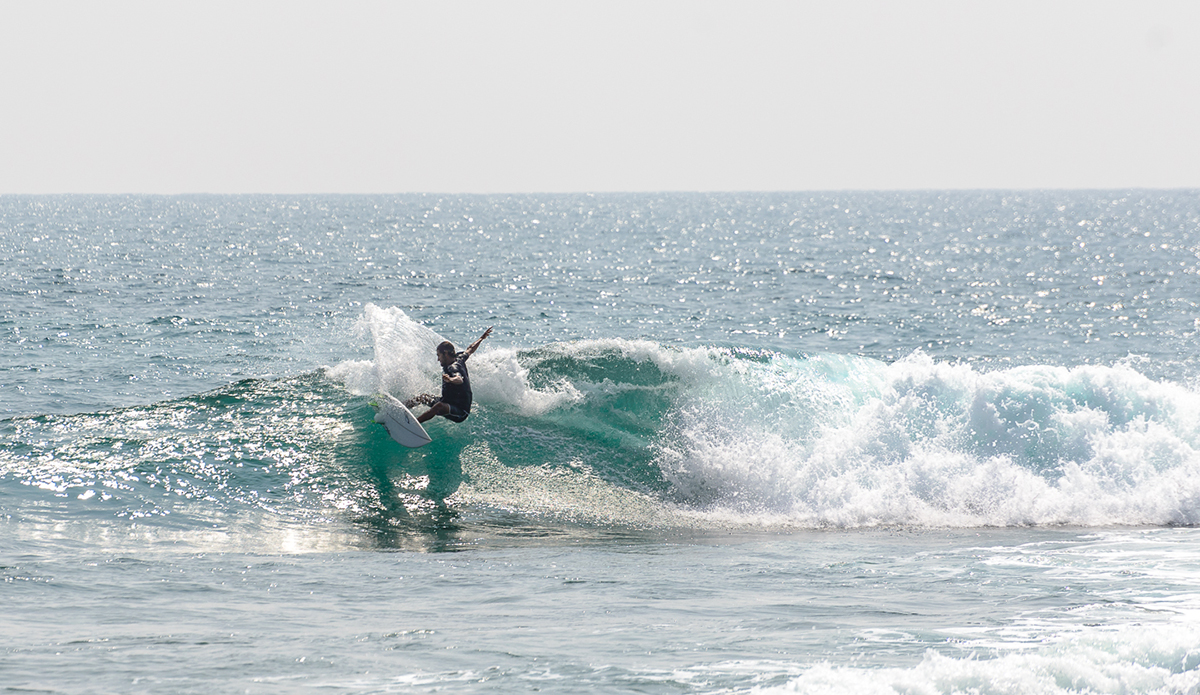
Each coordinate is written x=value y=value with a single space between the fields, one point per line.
x=1162 y=659
x=947 y=445
x=497 y=378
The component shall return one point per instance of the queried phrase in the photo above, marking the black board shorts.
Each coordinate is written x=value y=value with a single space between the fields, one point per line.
x=455 y=413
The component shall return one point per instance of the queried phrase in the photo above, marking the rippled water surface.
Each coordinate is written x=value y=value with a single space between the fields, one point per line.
x=856 y=442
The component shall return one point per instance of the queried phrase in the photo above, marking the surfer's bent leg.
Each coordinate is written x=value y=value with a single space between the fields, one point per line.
x=435 y=409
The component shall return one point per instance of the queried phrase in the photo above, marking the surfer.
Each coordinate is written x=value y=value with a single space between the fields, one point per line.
x=455 y=402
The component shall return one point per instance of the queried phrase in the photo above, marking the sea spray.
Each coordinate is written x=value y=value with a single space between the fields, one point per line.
x=402 y=361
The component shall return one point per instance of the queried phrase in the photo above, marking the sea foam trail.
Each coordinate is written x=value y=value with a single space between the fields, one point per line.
x=838 y=441
x=1123 y=660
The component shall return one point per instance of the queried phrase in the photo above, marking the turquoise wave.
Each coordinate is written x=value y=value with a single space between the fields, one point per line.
x=626 y=434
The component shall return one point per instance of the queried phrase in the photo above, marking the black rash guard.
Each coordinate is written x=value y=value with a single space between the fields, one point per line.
x=458 y=395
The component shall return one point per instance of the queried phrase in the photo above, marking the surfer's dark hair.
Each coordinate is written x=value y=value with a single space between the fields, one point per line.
x=446 y=346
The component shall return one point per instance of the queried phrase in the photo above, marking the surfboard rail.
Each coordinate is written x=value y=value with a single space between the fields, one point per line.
x=400 y=422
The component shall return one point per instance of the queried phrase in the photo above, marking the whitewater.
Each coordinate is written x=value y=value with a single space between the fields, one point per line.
x=816 y=443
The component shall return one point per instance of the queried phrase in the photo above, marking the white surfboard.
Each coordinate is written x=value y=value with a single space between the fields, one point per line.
x=399 y=421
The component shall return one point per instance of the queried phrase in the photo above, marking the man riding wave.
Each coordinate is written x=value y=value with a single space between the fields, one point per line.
x=455 y=401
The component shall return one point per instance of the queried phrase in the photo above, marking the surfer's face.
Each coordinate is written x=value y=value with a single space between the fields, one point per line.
x=445 y=357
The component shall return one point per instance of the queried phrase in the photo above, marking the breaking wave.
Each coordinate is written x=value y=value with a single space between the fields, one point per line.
x=623 y=433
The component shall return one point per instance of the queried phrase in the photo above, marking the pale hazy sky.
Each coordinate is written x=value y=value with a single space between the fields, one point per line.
x=553 y=95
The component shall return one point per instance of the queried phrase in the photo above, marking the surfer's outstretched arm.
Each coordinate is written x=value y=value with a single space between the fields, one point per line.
x=475 y=345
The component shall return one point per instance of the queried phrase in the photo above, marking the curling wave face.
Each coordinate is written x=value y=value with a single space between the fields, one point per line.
x=826 y=440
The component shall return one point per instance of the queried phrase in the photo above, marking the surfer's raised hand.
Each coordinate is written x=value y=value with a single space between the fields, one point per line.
x=473 y=346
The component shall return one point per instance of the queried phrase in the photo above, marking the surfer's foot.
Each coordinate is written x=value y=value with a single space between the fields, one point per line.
x=422 y=399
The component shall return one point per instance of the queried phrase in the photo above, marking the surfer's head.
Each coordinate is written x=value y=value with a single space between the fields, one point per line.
x=446 y=352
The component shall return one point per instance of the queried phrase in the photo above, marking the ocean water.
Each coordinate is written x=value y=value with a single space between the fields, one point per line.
x=867 y=442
